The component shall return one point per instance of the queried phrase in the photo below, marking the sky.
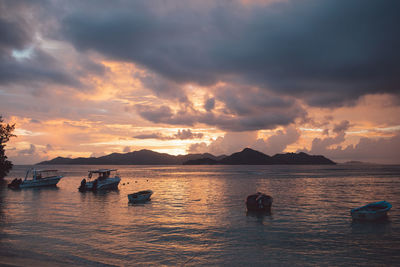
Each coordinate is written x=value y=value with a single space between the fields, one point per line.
x=90 y=78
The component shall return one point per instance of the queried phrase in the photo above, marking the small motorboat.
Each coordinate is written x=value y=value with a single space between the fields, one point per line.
x=140 y=197
x=37 y=178
x=372 y=211
x=259 y=202
x=106 y=179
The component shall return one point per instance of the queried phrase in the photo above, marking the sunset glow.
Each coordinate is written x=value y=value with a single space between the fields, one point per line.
x=83 y=80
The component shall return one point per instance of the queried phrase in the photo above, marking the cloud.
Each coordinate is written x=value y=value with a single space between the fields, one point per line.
x=21 y=60
x=158 y=136
x=209 y=104
x=233 y=67
x=181 y=134
x=49 y=147
x=39 y=67
x=374 y=150
x=278 y=142
x=319 y=146
x=28 y=152
x=328 y=53
x=187 y=134
x=31 y=155
x=381 y=150
x=155 y=114
x=13 y=35
x=341 y=127
x=97 y=154
x=369 y=149
x=242 y=108
x=233 y=142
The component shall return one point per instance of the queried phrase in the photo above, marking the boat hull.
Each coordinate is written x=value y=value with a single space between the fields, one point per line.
x=368 y=216
x=140 y=197
x=106 y=184
x=40 y=182
x=371 y=212
x=259 y=202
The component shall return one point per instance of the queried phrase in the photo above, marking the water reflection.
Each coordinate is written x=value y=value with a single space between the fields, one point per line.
x=377 y=227
x=261 y=216
x=3 y=187
x=197 y=216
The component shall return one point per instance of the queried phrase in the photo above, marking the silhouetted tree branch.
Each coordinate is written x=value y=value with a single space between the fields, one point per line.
x=5 y=135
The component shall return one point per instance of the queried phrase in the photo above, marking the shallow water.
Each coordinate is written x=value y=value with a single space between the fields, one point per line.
x=197 y=217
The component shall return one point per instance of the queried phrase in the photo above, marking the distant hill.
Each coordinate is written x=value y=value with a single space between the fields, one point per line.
x=354 y=162
x=300 y=158
x=142 y=157
x=247 y=157
x=147 y=157
x=252 y=157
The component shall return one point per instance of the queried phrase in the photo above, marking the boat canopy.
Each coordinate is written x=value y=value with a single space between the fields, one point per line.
x=46 y=170
x=39 y=174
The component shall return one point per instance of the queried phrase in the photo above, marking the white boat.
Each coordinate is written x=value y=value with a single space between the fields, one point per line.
x=106 y=179
x=372 y=211
x=140 y=197
x=37 y=178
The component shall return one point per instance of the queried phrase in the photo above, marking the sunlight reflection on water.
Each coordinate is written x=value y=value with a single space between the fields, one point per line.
x=197 y=216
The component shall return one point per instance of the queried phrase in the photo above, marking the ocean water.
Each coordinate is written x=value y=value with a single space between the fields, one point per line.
x=197 y=216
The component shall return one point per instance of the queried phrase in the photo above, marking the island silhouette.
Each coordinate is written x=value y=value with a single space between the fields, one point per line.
x=247 y=156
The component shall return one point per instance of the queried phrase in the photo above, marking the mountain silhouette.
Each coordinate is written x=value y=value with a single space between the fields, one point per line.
x=141 y=157
x=247 y=156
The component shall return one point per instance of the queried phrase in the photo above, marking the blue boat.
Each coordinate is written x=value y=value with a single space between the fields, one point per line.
x=372 y=211
x=140 y=197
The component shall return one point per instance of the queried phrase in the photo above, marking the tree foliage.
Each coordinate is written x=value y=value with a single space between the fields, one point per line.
x=5 y=135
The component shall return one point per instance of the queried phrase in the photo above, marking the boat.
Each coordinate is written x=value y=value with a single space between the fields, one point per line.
x=372 y=211
x=106 y=179
x=259 y=202
x=140 y=197
x=37 y=178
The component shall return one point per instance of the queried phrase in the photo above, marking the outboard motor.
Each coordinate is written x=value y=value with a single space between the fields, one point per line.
x=15 y=183
x=94 y=188
x=82 y=188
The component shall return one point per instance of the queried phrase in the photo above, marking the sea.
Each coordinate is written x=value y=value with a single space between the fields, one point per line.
x=197 y=217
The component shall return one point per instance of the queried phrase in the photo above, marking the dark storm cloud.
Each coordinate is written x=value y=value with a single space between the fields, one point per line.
x=23 y=27
x=240 y=109
x=12 y=35
x=155 y=114
x=327 y=52
x=174 y=44
x=39 y=67
x=209 y=104
x=252 y=120
x=158 y=136
x=187 y=134
x=341 y=127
